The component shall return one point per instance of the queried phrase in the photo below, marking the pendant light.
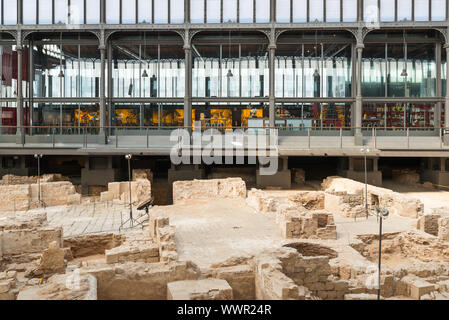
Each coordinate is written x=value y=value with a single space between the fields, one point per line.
x=229 y=75
x=144 y=74
x=61 y=72
x=404 y=71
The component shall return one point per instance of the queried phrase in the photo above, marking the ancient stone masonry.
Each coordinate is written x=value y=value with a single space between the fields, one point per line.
x=163 y=234
x=140 y=191
x=443 y=229
x=10 y=179
x=299 y=176
x=145 y=174
x=24 y=197
x=298 y=215
x=206 y=189
x=346 y=197
x=286 y=274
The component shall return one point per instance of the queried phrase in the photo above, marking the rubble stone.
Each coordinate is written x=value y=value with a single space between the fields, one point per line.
x=207 y=289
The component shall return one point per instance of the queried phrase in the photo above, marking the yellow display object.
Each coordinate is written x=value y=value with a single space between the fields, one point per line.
x=246 y=114
x=85 y=116
x=171 y=118
x=126 y=116
x=220 y=115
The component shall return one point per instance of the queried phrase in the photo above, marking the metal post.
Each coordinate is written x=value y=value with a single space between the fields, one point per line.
x=358 y=101
x=366 y=189
x=341 y=138
x=130 y=198
x=380 y=256
x=188 y=83
x=446 y=105
x=408 y=138
x=19 y=123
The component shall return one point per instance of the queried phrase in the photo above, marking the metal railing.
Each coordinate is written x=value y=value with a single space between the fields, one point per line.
x=159 y=136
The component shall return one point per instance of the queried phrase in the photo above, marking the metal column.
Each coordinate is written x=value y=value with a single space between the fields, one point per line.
x=102 y=90
x=358 y=101
x=446 y=106
x=188 y=85
x=19 y=97
x=272 y=112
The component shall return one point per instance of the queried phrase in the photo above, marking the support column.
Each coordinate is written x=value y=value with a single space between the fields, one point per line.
x=358 y=100
x=446 y=106
x=19 y=106
x=284 y=163
x=272 y=112
x=375 y=164
x=103 y=122
x=188 y=83
x=443 y=164
x=111 y=111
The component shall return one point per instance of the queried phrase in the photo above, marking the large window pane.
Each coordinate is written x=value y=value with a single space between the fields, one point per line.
x=213 y=11
x=161 y=11
x=177 y=11
x=230 y=11
x=387 y=10
x=129 y=12
x=197 y=11
x=145 y=11
x=93 y=12
x=333 y=10
x=374 y=70
x=262 y=11
x=316 y=10
x=45 y=12
x=10 y=12
x=113 y=11
x=299 y=10
x=77 y=11
x=283 y=11
x=421 y=10
x=246 y=11
x=370 y=11
x=29 y=12
x=404 y=10
x=438 y=10
x=61 y=11
x=349 y=10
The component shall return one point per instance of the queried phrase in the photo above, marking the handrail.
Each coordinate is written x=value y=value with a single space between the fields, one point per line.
x=225 y=128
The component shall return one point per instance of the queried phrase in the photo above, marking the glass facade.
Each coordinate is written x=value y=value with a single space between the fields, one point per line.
x=145 y=75
x=219 y=11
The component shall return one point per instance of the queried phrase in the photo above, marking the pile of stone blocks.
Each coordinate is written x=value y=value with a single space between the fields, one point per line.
x=209 y=189
x=163 y=234
x=443 y=229
x=119 y=191
x=295 y=224
x=354 y=192
x=205 y=289
x=52 y=261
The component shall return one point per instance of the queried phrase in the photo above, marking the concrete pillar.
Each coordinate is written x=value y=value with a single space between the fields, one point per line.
x=103 y=122
x=375 y=164
x=188 y=85
x=110 y=162
x=443 y=164
x=358 y=102
x=351 y=164
x=285 y=163
x=446 y=106
x=111 y=110
x=22 y=162
x=272 y=112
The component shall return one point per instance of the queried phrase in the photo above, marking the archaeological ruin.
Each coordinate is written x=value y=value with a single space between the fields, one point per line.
x=220 y=239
